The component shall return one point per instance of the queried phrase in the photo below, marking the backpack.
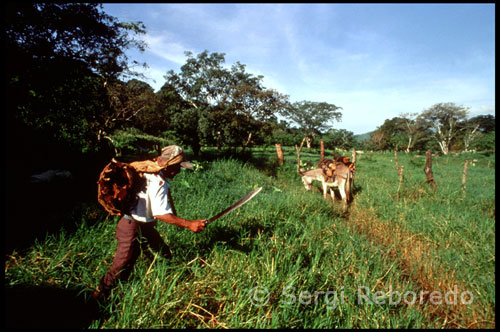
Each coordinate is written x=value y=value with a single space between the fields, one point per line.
x=119 y=183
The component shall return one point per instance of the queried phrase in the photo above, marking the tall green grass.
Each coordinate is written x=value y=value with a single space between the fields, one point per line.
x=288 y=258
x=460 y=223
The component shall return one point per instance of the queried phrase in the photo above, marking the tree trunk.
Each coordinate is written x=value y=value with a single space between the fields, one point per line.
x=279 y=152
x=308 y=142
x=400 y=172
x=428 y=170
x=469 y=137
x=398 y=169
x=112 y=144
x=396 y=159
x=409 y=145
x=247 y=142
x=298 y=154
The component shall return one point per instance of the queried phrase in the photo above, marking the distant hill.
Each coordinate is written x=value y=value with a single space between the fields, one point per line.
x=363 y=137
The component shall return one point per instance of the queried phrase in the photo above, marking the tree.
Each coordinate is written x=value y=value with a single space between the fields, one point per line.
x=77 y=31
x=486 y=123
x=339 y=138
x=378 y=138
x=60 y=56
x=202 y=84
x=226 y=107
x=130 y=104
x=283 y=133
x=312 y=117
x=473 y=128
x=390 y=135
x=411 y=127
x=251 y=105
x=471 y=133
x=443 y=119
x=485 y=141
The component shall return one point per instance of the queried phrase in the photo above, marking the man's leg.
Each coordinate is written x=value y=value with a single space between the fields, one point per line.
x=154 y=239
x=126 y=254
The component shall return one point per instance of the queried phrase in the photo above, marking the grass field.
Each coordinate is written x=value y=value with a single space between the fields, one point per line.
x=413 y=258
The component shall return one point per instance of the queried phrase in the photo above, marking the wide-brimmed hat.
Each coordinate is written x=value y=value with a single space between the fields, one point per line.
x=173 y=154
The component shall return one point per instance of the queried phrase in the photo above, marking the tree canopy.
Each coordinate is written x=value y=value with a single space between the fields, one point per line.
x=312 y=117
x=443 y=119
x=60 y=57
x=224 y=106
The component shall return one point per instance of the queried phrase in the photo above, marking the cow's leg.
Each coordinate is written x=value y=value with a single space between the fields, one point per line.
x=342 y=188
x=306 y=183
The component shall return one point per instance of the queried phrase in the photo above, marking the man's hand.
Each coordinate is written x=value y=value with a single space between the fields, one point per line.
x=197 y=225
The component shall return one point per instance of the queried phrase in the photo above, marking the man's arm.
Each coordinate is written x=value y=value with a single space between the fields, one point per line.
x=193 y=225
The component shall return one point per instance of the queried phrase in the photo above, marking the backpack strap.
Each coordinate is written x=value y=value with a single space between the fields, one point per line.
x=146 y=166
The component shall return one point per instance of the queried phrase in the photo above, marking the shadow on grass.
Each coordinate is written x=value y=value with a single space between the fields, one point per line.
x=233 y=237
x=240 y=238
x=48 y=307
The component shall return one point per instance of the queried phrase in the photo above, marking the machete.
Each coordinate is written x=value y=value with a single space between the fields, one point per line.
x=235 y=205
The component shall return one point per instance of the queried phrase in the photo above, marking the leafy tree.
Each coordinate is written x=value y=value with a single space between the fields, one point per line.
x=226 y=107
x=312 y=117
x=249 y=97
x=201 y=83
x=412 y=129
x=485 y=141
x=378 y=139
x=131 y=103
x=470 y=134
x=252 y=103
x=486 y=137
x=339 y=138
x=281 y=132
x=390 y=135
x=443 y=119
x=77 y=31
x=486 y=123
x=472 y=129
x=60 y=56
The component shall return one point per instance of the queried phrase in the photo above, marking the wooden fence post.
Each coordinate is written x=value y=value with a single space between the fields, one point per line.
x=279 y=152
x=464 y=174
x=400 y=172
x=322 y=154
x=428 y=170
x=398 y=169
x=396 y=158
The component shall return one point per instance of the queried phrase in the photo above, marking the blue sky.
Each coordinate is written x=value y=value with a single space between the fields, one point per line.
x=375 y=61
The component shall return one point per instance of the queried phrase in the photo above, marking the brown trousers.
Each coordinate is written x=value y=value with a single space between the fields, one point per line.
x=130 y=236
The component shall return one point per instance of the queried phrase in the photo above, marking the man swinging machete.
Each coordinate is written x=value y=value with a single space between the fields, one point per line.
x=152 y=202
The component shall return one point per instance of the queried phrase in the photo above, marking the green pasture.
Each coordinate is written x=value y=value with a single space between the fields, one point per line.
x=288 y=258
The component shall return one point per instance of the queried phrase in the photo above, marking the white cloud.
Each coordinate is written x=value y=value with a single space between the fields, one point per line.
x=164 y=47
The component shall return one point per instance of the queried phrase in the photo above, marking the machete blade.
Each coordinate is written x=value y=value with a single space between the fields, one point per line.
x=235 y=205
